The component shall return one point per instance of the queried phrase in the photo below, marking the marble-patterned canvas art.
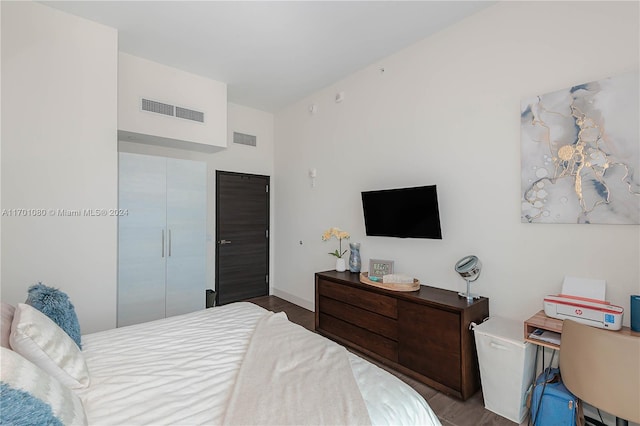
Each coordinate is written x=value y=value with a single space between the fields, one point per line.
x=581 y=154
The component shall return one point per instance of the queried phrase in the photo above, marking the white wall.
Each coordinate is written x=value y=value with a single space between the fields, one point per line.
x=236 y=158
x=0 y=159
x=446 y=111
x=140 y=78
x=59 y=151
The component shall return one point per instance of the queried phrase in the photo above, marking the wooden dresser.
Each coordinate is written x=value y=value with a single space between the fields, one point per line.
x=423 y=334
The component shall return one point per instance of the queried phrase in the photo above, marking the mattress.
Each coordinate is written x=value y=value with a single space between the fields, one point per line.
x=181 y=370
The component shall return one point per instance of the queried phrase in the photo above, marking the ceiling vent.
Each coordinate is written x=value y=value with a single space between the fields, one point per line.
x=189 y=114
x=243 y=139
x=172 y=110
x=157 y=107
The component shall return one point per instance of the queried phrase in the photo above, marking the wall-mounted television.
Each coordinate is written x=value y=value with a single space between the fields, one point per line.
x=403 y=212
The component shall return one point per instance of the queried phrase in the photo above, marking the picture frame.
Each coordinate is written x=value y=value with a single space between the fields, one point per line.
x=379 y=267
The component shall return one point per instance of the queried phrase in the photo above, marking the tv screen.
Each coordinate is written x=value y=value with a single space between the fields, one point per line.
x=403 y=212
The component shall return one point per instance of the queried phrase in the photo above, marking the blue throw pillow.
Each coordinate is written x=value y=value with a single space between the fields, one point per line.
x=29 y=396
x=56 y=305
x=22 y=408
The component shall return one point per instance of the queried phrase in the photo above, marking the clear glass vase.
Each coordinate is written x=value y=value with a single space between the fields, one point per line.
x=355 y=263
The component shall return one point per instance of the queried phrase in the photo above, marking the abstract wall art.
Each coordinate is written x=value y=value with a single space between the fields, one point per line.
x=581 y=154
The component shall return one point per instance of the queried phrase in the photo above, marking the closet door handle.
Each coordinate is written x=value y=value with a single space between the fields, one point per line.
x=169 y=242
x=163 y=243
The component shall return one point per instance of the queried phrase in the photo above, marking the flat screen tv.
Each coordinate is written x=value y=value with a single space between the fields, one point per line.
x=403 y=212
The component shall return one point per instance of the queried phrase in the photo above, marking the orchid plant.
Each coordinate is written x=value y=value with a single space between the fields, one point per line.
x=340 y=235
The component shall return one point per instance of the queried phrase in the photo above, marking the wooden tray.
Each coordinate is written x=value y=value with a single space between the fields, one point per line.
x=364 y=278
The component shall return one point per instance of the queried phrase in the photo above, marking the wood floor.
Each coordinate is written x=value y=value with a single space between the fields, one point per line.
x=450 y=411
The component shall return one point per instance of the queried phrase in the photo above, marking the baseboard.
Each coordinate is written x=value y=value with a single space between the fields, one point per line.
x=294 y=299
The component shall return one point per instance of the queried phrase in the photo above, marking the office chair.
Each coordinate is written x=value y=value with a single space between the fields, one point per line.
x=602 y=368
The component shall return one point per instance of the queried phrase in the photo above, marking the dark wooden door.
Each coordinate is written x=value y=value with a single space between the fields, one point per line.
x=242 y=236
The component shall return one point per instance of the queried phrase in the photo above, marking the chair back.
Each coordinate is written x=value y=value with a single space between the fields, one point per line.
x=602 y=368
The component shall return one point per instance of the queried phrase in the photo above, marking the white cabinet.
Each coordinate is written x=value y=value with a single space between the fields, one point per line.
x=161 y=237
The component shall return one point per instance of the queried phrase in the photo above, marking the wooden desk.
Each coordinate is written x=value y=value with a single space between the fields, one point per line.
x=543 y=322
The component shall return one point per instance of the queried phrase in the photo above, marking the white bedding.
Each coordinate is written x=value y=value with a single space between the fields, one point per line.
x=181 y=370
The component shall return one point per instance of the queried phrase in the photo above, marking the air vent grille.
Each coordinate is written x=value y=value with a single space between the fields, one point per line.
x=243 y=139
x=171 y=110
x=189 y=114
x=157 y=107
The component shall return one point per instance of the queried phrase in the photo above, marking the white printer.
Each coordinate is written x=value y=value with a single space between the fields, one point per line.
x=596 y=313
x=583 y=300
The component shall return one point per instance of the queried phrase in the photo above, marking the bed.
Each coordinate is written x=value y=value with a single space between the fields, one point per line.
x=186 y=370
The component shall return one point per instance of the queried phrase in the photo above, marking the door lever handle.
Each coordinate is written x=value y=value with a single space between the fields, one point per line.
x=222 y=242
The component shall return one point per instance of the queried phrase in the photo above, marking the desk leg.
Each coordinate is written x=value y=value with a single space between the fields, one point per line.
x=538 y=349
x=546 y=372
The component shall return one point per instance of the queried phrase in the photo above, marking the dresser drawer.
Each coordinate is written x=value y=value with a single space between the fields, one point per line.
x=368 y=320
x=380 y=345
x=366 y=300
x=430 y=343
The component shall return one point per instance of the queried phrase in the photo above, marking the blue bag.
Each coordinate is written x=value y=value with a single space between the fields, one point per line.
x=552 y=404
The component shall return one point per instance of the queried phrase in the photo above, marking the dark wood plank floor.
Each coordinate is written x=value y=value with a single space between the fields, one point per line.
x=450 y=411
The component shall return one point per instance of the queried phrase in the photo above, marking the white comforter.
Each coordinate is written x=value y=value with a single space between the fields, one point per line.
x=181 y=370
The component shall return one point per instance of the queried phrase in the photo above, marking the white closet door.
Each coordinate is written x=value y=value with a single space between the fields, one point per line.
x=186 y=227
x=141 y=254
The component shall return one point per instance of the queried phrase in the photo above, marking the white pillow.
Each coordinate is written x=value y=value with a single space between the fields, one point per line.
x=37 y=338
x=34 y=397
x=6 y=318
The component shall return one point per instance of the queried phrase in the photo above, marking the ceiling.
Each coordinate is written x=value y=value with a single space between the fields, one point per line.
x=270 y=53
